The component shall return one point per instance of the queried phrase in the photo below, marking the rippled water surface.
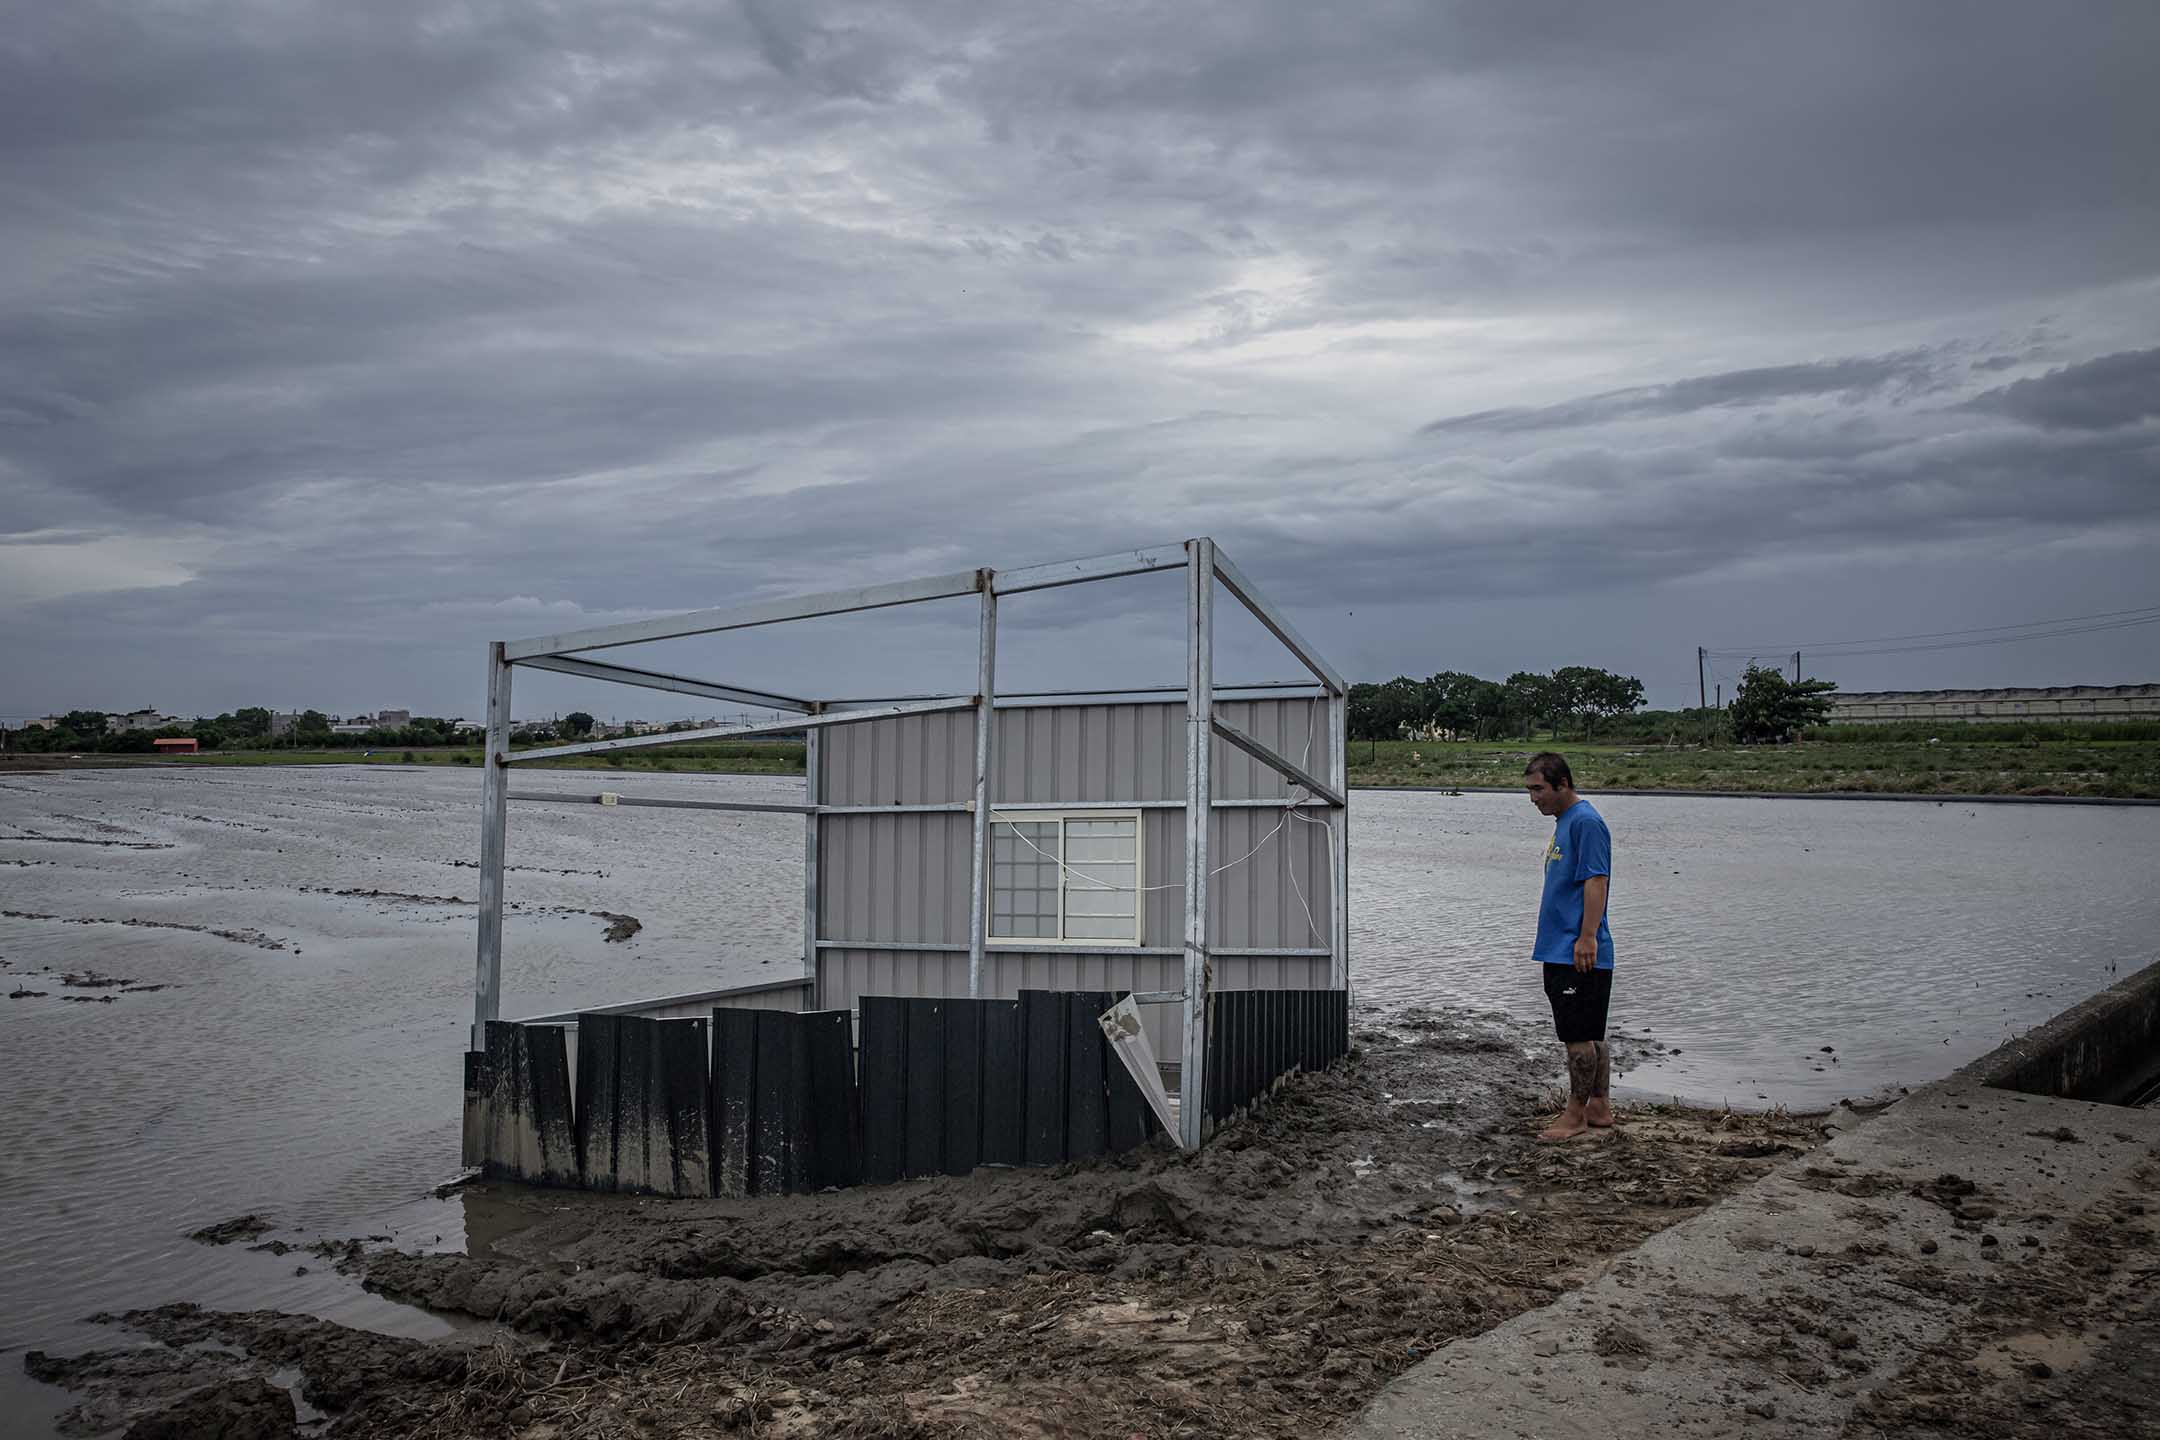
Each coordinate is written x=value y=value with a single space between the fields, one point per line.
x=304 y=1062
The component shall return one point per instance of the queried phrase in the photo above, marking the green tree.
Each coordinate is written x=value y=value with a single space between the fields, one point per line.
x=576 y=723
x=1769 y=708
x=86 y=724
x=1530 y=700
x=1451 y=702
x=251 y=722
x=1608 y=696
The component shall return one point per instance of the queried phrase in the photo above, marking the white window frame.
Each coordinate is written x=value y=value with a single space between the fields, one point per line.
x=996 y=941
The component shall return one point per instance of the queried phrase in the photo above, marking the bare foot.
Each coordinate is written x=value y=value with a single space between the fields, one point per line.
x=1599 y=1114
x=1564 y=1129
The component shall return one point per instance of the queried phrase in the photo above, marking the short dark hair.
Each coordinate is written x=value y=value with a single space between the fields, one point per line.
x=1553 y=768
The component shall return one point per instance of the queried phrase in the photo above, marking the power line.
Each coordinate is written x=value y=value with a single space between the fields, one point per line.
x=1886 y=645
x=2145 y=614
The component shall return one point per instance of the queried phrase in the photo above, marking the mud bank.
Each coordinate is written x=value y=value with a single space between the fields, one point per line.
x=1268 y=1286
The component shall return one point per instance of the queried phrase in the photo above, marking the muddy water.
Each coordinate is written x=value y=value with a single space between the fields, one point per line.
x=303 y=1061
x=1750 y=934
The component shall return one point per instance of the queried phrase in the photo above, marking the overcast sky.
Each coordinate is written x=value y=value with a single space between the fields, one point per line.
x=336 y=340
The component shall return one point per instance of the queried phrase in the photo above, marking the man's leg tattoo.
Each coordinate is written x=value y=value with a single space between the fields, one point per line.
x=1582 y=1067
x=1601 y=1086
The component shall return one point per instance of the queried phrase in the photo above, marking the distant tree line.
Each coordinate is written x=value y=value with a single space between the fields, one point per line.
x=85 y=731
x=1767 y=708
x=1458 y=706
x=247 y=728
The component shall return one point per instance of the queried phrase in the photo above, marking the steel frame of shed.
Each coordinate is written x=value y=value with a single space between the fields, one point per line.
x=1206 y=567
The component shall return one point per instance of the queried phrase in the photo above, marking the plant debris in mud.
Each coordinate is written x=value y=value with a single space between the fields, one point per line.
x=225 y=1232
x=1269 y=1285
x=2065 y=1343
x=239 y=937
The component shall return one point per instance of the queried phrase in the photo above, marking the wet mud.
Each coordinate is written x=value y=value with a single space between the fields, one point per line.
x=1267 y=1286
x=619 y=926
x=252 y=937
x=2067 y=1342
x=44 y=839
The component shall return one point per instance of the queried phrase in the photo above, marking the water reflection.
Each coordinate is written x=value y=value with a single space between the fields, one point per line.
x=315 y=928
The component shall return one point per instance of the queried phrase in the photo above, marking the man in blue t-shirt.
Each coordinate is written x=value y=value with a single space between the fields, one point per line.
x=1574 y=946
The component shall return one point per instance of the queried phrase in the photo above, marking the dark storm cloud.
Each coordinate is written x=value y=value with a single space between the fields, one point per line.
x=2097 y=395
x=1847 y=380
x=406 y=325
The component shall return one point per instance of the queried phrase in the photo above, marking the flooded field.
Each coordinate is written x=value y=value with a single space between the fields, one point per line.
x=296 y=947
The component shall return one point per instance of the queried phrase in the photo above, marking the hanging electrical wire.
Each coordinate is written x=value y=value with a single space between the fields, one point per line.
x=1974 y=637
x=1298 y=796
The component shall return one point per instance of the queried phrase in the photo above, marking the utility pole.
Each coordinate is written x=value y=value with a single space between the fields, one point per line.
x=1702 y=696
x=1796 y=667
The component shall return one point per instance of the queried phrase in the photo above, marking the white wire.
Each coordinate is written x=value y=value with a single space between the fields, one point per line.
x=1089 y=880
x=1290 y=812
x=1093 y=883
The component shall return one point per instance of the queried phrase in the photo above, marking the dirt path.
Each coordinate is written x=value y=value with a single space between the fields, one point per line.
x=1266 y=1287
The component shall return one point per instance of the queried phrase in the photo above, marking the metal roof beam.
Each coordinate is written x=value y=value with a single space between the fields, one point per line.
x=657 y=680
x=1094 y=567
x=743 y=617
x=1249 y=595
x=730 y=732
x=1278 y=763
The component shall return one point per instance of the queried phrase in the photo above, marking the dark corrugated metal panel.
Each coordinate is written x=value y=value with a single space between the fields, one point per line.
x=845 y=976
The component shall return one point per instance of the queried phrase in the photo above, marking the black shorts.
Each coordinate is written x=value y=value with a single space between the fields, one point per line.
x=1579 y=999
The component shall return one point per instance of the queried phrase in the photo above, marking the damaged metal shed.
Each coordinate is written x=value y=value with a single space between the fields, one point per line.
x=1184 y=847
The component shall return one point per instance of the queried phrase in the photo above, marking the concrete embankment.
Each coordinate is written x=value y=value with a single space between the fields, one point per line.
x=1976 y=1260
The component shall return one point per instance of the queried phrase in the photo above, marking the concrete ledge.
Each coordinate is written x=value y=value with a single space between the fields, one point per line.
x=1779 y=1310
x=1915 y=797
x=2104 y=1050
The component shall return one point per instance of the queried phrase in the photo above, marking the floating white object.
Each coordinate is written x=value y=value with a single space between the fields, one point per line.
x=1121 y=1025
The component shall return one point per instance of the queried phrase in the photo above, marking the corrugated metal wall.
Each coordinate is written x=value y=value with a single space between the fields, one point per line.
x=1069 y=754
x=902 y=880
x=845 y=976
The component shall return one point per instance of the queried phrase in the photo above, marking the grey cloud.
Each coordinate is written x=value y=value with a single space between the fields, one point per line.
x=2120 y=389
x=1847 y=379
x=388 y=309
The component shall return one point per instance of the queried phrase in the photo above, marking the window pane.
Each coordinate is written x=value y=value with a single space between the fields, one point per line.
x=1024 y=879
x=1098 y=902
x=1101 y=888
x=1098 y=849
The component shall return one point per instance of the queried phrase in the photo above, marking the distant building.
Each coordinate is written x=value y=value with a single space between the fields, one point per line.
x=282 y=722
x=176 y=746
x=352 y=727
x=393 y=719
x=2060 y=704
x=136 y=720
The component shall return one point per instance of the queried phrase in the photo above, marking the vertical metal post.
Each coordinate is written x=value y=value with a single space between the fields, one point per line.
x=985 y=761
x=1199 y=796
x=1338 y=712
x=494 y=823
x=1702 y=697
x=812 y=796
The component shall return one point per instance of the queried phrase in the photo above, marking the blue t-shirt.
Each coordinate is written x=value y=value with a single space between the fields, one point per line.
x=1580 y=848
